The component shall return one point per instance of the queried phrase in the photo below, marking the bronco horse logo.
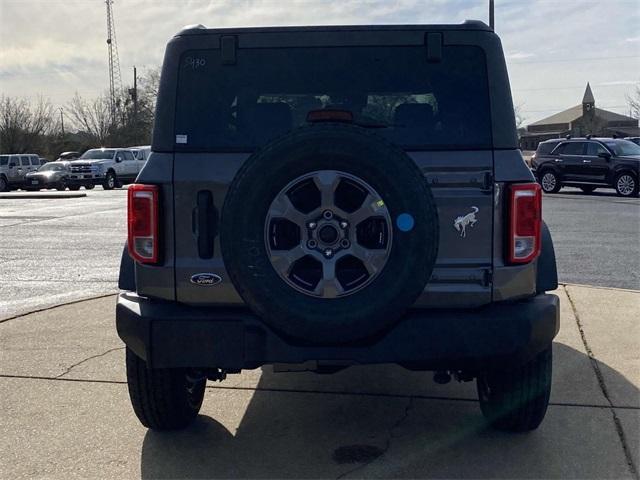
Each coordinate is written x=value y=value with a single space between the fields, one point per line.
x=463 y=221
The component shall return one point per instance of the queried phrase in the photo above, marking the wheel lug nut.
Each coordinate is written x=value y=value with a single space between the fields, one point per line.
x=328 y=253
x=343 y=224
x=328 y=214
x=345 y=243
x=312 y=225
x=312 y=244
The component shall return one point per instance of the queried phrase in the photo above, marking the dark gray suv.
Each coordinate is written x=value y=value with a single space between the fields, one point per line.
x=333 y=196
x=588 y=163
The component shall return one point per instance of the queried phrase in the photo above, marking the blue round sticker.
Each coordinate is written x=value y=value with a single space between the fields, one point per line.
x=405 y=222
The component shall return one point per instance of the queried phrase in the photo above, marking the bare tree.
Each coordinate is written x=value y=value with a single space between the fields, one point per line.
x=92 y=117
x=24 y=125
x=634 y=102
x=520 y=119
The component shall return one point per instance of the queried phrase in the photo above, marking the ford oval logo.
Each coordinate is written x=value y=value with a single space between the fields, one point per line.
x=206 y=279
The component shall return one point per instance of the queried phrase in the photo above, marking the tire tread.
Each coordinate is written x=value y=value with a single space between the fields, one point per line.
x=158 y=396
x=520 y=396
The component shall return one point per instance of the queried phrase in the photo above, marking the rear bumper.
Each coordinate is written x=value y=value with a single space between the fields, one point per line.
x=170 y=335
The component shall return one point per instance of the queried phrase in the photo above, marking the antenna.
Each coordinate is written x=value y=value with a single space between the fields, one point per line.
x=491 y=15
x=115 y=79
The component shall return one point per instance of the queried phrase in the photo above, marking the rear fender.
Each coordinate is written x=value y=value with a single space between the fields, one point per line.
x=547 y=273
x=127 y=277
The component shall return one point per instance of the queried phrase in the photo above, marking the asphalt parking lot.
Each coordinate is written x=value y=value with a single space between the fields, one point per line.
x=597 y=237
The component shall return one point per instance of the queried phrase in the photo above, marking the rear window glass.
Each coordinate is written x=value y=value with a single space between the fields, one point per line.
x=624 y=147
x=545 y=148
x=414 y=103
x=573 y=148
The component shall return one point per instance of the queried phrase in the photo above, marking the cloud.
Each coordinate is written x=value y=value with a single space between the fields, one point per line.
x=520 y=55
x=617 y=82
x=56 y=47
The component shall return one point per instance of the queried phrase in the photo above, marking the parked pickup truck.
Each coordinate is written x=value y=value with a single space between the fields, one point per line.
x=109 y=167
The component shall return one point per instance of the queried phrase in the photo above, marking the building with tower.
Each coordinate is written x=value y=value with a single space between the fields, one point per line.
x=579 y=121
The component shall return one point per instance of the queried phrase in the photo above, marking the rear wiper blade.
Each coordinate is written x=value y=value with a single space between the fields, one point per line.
x=374 y=124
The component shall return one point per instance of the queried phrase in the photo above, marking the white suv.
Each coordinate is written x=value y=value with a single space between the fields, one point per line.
x=13 y=168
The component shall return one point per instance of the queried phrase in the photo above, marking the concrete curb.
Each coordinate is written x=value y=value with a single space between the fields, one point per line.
x=36 y=195
x=615 y=289
x=51 y=307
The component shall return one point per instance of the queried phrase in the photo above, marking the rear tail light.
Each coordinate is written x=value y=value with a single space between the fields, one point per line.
x=142 y=222
x=525 y=219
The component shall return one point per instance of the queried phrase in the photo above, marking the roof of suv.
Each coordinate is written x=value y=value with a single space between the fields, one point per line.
x=581 y=139
x=202 y=30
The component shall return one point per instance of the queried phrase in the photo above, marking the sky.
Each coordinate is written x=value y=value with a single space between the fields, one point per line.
x=55 y=48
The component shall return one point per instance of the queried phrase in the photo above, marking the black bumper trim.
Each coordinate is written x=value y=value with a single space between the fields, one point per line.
x=169 y=335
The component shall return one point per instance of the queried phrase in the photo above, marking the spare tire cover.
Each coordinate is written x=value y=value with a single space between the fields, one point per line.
x=405 y=233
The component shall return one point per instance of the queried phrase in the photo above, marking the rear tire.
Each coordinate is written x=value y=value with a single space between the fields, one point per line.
x=4 y=185
x=626 y=185
x=550 y=182
x=74 y=188
x=110 y=181
x=163 y=398
x=89 y=187
x=516 y=400
x=62 y=185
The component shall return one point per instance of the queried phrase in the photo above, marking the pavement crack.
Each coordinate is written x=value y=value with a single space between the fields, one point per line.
x=86 y=360
x=387 y=445
x=603 y=387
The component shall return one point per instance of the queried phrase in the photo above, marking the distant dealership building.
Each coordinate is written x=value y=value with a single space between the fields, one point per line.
x=578 y=121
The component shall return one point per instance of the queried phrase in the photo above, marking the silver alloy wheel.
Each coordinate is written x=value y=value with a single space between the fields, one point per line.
x=328 y=234
x=548 y=182
x=626 y=184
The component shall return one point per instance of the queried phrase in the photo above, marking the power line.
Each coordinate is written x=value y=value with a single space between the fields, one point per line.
x=581 y=87
x=570 y=60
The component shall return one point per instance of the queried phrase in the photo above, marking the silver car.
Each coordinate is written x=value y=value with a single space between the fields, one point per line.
x=49 y=175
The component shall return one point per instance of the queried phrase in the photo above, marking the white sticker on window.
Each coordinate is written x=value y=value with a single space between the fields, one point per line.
x=181 y=139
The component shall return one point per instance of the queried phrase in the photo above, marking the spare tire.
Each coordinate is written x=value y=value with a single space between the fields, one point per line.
x=329 y=233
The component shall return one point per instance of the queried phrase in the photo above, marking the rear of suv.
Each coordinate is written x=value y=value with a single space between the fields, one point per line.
x=334 y=196
x=588 y=163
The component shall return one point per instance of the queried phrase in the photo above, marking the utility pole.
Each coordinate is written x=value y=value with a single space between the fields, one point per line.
x=491 y=15
x=134 y=94
x=62 y=120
